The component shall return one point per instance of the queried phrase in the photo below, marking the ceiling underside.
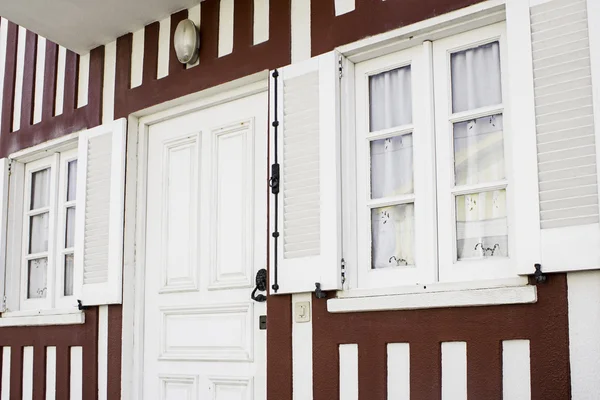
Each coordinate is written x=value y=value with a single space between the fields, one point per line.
x=81 y=25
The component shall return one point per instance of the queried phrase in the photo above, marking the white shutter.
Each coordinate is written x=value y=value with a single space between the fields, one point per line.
x=100 y=213
x=566 y=136
x=4 y=164
x=309 y=212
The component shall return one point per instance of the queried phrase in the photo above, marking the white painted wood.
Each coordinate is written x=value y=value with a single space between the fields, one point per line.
x=198 y=326
x=4 y=201
x=584 y=325
x=40 y=67
x=398 y=371
x=195 y=15
x=164 y=41
x=516 y=370
x=301 y=35
x=50 y=373
x=18 y=94
x=225 y=27
x=137 y=57
x=302 y=376
x=5 y=394
x=3 y=42
x=454 y=370
x=348 y=371
x=344 y=6
x=261 y=21
x=108 y=91
x=27 y=378
x=42 y=320
x=466 y=298
x=310 y=225
x=593 y=13
x=60 y=79
x=76 y=374
x=99 y=221
x=102 y=352
x=571 y=248
x=83 y=80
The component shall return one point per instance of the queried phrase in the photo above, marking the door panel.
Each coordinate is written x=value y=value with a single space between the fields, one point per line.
x=205 y=241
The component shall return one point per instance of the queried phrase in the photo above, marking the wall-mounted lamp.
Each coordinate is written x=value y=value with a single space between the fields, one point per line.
x=187 y=42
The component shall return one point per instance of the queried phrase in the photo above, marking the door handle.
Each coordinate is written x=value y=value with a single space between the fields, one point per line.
x=261 y=284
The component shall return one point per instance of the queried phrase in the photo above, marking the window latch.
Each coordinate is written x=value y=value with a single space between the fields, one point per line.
x=80 y=306
x=538 y=275
x=318 y=292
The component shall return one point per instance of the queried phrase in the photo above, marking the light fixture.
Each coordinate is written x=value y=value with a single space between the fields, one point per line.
x=186 y=42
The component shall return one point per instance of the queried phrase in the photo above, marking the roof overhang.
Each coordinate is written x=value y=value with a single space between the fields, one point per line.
x=81 y=25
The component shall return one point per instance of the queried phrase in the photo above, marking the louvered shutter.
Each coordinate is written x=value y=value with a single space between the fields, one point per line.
x=4 y=163
x=309 y=243
x=566 y=136
x=100 y=213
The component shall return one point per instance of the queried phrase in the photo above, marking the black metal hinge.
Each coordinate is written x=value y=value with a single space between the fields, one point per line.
x=538 y=275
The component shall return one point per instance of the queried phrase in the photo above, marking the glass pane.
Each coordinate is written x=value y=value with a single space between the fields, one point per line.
x=392 y=235
x=390 y=99
x=72 y=180
x=37 y=278
x=40 y=189
x=70 y=231
x=476 y=77
x=69 y=270
x=479 y=150
x=38 y=233
x=481 y=225
x=391 y=166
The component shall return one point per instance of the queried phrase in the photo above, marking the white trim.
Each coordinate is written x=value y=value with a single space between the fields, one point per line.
x=52 y=317
x=108 y=86
x=137 y=57
x=20 y=67
x=83 y=80
x=302 y=334
x=462 y=298
x=226 y=13
x=593 y=14
x=60 y=81
x=301 y=32
x=42 y=150
x=164 y=41
x=40 y=66
x=102 y=352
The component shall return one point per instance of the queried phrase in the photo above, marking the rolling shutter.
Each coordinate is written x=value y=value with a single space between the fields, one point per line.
x=100 y=213
x=309 y=208
x=4 y=164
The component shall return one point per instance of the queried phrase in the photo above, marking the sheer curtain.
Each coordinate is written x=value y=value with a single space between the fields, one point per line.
x=38 y=235
x=392 y=228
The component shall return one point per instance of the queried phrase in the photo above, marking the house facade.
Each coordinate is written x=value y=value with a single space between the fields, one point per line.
x=339 y=199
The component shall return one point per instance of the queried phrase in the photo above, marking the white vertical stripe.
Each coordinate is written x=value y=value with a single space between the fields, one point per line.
x=225 y=27
x=27 y=372
x=60 y=80
x=102 y=352
x=261 y=21
x=137 y=58
x=50 y=373
x=454 y=371
x=76 y=380
x=398 y=378
x=516 y=371
x=164 y=41
x=300 y=30
x=83 y=80
x=584 y=330
x=108 y=91
x=194 y=14
x=344 y=6
x=40 y=67
x=19 y=78
x=3 y=41
x=348 y=372
x=5 y=395
x=302 y=376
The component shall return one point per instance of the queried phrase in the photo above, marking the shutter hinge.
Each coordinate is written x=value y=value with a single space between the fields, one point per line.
x=10 y=164
x=3 y=304
x=341 y=66
x=343 y=271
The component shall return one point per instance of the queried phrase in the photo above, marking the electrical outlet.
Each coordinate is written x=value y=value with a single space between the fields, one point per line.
x=302 y=311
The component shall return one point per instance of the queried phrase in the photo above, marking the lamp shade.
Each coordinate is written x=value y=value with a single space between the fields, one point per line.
x=186 y=42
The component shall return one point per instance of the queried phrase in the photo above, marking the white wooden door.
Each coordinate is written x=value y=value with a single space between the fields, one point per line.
x=205 y=240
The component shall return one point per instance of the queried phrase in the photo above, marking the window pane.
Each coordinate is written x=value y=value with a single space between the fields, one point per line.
x=391 y=166
x=479 y=150
x=69 y=270
x=40 y=189
x=481 y=225
x=37 y=278
x=476 y=77
x=392 y=235
x=70 y=231
x=390 y=99
x=38 y=233
x=72 y=180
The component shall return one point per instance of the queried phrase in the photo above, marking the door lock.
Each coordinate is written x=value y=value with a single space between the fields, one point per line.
x=261 y=285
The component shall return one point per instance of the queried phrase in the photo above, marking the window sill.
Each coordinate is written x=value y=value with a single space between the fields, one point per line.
x=43 y=317
x=511 y=291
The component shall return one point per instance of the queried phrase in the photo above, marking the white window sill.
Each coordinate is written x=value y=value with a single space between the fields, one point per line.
x=70 y=316
x=441 y=295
